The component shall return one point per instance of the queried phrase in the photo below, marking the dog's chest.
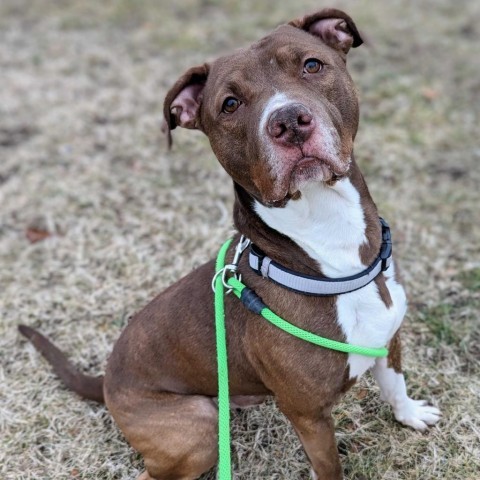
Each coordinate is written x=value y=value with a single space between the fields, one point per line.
x=367 y=321
x=329 y=224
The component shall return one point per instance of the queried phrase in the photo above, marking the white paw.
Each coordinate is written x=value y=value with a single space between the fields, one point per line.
x=417 y=414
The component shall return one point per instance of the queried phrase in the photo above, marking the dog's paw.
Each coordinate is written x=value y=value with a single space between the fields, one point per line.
x=417 y=414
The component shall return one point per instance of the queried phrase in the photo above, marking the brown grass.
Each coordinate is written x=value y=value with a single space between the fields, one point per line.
x=84 y=170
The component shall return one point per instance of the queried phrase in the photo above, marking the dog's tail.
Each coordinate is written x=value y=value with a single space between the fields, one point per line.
x=87 y=387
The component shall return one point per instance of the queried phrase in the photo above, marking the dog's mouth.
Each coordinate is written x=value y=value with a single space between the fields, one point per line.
x=307 y=169
x=310 y=168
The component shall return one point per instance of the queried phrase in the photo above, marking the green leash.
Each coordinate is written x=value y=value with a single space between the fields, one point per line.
x=224 y=461
x=253 y=302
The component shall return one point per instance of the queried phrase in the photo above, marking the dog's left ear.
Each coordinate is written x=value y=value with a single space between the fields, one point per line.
x=182 y=103
x=333 y=26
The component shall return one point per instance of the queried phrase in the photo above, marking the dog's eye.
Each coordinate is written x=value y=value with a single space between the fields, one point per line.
x=230 y=105
x=312 y=65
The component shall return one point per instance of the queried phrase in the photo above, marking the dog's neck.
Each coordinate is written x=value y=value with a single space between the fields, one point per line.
x=329 y=230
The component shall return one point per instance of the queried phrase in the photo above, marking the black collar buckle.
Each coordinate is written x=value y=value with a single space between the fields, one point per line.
x=386 y=248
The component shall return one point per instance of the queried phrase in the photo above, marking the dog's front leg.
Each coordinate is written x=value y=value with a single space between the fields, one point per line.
x=388 y=373
x=317 y=435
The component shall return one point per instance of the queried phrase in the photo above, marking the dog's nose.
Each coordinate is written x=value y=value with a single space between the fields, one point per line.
x=291 y=124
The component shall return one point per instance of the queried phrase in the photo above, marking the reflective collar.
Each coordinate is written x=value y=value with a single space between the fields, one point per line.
x=322 y=286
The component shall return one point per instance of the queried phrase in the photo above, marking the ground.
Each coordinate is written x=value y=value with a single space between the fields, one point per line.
x=97 y=216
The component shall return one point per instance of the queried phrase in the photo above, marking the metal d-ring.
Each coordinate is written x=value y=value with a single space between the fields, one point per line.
x=232 y=268
x=214 y=279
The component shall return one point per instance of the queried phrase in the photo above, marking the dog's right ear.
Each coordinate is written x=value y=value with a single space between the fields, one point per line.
x=182 y=103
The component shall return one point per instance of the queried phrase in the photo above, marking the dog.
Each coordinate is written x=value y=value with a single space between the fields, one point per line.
x=281 y=117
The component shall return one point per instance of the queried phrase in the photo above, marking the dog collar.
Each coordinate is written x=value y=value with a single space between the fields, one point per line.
x=322 y=286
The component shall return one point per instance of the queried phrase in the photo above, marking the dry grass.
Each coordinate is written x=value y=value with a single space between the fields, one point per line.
x=81 y=158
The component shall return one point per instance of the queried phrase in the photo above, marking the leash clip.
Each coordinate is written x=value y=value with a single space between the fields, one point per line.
x=232 y=268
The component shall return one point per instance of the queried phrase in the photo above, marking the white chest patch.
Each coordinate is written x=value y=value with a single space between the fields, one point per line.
x=329 y=224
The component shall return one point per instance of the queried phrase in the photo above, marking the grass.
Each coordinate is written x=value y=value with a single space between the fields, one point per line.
x=84 y=170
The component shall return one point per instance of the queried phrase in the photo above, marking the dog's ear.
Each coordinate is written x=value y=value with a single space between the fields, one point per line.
x=182 y=103
x=333 y=26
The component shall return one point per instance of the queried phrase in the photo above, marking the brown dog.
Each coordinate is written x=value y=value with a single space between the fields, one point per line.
x=281 y=117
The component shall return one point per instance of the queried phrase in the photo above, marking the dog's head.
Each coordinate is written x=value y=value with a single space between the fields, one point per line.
x=280 y=113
